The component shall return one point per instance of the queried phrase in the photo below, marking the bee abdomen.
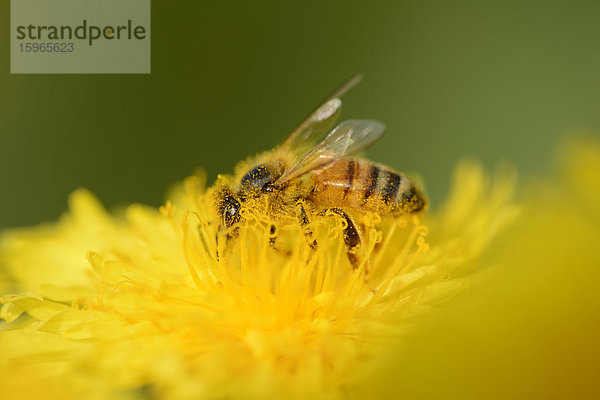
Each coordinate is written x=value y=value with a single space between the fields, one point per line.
x=390 y=191
x=366 y=186
x=391 y=188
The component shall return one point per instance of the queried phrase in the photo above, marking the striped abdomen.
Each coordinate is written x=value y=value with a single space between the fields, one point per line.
x=365 y=186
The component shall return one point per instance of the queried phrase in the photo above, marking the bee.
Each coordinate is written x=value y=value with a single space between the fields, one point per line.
x=308 y=176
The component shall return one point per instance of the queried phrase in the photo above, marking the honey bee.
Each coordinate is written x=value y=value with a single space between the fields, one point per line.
x=308 y=176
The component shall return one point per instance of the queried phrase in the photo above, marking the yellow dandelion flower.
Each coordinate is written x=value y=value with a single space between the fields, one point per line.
x=532 y=331
x=136 y=304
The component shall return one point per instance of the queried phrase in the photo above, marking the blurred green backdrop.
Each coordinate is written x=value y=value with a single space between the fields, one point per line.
x=496 y=81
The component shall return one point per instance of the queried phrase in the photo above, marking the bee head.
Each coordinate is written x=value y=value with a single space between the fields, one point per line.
x=228 y=206
x=230 y=211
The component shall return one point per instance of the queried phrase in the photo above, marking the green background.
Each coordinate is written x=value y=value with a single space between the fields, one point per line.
x=498 y=81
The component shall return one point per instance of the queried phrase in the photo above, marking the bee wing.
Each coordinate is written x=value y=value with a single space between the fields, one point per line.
x=321 y=120
x=346 y=139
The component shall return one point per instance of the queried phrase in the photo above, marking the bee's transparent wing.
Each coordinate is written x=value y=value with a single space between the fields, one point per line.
x=346 y=139
x=315 y=126
x=321 y=120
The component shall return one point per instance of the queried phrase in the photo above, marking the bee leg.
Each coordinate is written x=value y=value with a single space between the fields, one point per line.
x=352 y=237
x=304 y=221
x=225 y=235
x=273 y=238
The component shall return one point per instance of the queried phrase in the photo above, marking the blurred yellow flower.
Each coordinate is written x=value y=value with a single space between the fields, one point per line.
x=135 y=304
x=533 y=331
